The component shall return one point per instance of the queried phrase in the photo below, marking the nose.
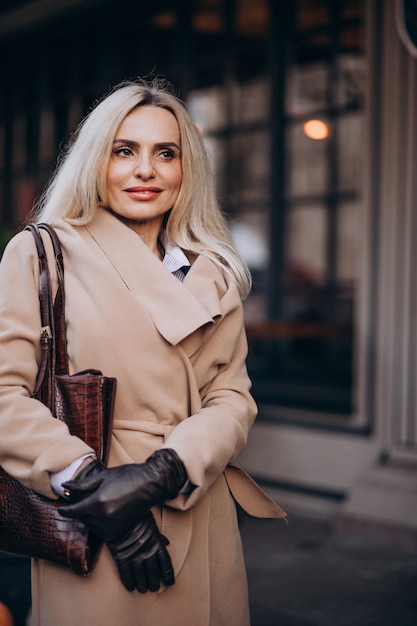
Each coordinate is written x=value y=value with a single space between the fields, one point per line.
x=144 y=166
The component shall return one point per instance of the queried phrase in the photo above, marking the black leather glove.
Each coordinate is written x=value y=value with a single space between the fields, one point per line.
x=142 y=558
x=111 y=501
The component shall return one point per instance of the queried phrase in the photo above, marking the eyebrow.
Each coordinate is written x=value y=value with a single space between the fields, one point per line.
x=135 y=144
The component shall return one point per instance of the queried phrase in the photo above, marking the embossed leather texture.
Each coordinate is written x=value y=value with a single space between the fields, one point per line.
x=30 y=524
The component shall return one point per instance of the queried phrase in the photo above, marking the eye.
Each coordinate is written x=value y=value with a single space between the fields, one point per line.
x=167 y=155
x=124 y=152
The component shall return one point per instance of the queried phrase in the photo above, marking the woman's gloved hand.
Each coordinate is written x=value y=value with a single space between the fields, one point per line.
x=142 y=558
x=111 y=501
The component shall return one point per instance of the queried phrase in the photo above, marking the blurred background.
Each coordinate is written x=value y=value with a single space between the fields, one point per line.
x=308 y=109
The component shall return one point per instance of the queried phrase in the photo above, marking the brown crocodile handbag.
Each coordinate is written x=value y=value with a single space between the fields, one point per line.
x=30 y=524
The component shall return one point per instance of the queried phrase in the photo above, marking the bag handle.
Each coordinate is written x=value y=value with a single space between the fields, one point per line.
x=54 y=357
x=60 y=331
x=43 y=386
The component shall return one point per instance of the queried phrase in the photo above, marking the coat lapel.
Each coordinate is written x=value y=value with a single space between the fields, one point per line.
x=177 y=309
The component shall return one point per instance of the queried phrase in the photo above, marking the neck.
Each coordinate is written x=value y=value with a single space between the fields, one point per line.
x=148 y=231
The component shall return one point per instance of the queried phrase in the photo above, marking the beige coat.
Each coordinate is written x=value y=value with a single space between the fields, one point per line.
x=178 y=352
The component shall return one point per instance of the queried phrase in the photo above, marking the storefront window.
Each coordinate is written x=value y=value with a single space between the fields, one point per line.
x=299 y=235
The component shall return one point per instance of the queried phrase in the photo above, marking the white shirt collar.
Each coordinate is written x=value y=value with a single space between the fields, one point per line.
x=174 y=258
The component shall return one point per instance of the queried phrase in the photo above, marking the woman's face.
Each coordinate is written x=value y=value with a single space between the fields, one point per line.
x=144 y=172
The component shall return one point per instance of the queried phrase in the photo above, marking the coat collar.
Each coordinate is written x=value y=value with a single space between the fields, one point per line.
x=177 y=309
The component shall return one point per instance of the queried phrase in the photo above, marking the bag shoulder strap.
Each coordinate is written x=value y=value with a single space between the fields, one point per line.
x=54 y=358
x=60 y=331
x=43 y=386
x=45 y=291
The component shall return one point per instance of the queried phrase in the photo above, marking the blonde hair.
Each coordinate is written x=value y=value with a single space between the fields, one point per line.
x=78 y=187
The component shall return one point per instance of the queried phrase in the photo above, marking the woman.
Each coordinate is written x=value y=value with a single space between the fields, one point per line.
x=153 y=298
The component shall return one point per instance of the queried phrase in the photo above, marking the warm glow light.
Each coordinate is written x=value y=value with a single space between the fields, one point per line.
x=316 y=129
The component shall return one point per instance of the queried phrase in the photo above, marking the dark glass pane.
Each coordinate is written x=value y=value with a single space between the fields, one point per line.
x=306 y=163
x=218 y=154
x=208 y=25
x=352 y=39
x=307 y=88
x=305 y=245
x=2 y=146
x=250 y=233
x=353 y=9
x=208 y=108
x=19 y=142
x=350 y=156
x=251 y=61
x=251 y=18
x=208 y=16
x=47 y=132
x=349 y=83
x=250 y=167
x=251 y=101
x=311 y=14
x=348 y=249
x=164 y=21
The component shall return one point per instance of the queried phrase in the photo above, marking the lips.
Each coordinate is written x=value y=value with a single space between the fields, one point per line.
x=143 y=193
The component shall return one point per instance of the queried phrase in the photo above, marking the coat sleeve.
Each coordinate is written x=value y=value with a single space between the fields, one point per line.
x=217 y=433
x=32 y=442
